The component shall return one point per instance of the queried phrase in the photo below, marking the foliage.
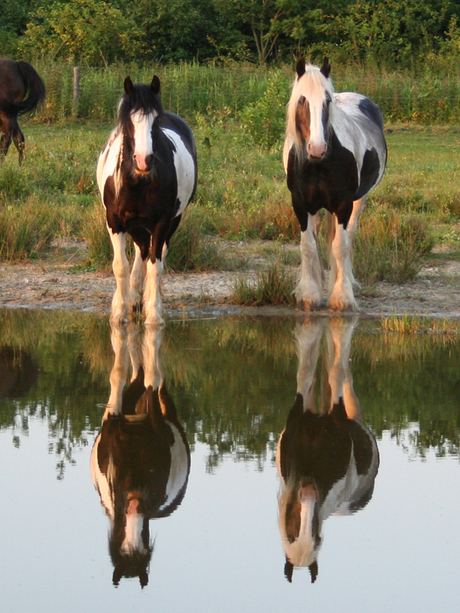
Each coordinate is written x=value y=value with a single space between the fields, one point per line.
x=265 y=119
x=387 y=33
x=390 y=246
x=81 y=31
x=275 y=285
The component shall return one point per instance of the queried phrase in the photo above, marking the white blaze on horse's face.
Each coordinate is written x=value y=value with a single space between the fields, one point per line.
x=133 y=530
x=142 y=140
x=317 y=144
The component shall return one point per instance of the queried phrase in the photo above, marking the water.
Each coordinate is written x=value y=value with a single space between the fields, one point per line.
x=233 y=384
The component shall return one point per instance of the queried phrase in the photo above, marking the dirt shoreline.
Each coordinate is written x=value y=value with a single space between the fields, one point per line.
x=53 y=283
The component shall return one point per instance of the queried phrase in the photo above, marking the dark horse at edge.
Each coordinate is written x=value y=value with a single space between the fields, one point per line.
x=21 y=90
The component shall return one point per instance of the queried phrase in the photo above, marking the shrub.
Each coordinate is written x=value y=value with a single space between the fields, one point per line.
x=26 y=229
x=390 y=246
x=272 y=286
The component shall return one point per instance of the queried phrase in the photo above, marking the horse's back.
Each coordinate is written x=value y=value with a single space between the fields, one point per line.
x=170 y=121
x=361 y=109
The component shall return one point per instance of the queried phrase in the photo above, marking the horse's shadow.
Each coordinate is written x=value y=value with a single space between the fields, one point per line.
x=327 y=459
x=140 y=461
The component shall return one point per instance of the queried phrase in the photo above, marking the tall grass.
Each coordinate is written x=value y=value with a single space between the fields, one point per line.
x=427 y=97
x=275 y=285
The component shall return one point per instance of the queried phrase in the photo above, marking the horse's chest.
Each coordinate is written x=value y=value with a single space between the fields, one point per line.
x=146 y=202
x=330 y=183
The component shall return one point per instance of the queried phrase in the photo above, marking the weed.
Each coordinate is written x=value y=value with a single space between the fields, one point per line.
x=390 y=246
x=275 y=285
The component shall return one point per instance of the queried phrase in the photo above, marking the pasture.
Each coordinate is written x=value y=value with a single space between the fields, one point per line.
x=241 y=195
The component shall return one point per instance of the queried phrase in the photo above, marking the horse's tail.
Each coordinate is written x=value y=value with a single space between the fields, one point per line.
x=34 y=89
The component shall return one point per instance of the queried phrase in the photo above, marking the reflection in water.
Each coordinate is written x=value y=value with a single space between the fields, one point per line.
x=327 y=459
x=141 y=459
x=18 y=372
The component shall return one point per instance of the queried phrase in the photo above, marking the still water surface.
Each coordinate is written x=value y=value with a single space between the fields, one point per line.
x=221 y=545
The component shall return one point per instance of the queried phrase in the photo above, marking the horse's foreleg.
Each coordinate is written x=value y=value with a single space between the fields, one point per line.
x=151 y=357
x=153 y=306
x=137 y=280
x=339 y=337
x=341 y=280
x=120 y=266
x=119 y=372
x=308 y=338
x=309 y=289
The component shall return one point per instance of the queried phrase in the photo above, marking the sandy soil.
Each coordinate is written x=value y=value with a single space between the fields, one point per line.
x=54 y=282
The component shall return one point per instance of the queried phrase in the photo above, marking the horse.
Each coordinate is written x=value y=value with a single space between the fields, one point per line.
x=21 y=90
x=334 y=154
x=140 y=461
x=327 y=459
x=147 y=175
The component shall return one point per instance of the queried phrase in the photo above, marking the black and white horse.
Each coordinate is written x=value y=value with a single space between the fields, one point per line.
x=21 y=90
x=147 y=174
x=140 y=461
x=327 y=459
x=334 y=154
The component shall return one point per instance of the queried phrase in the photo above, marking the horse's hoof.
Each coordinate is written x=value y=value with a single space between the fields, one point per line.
x=155 y=321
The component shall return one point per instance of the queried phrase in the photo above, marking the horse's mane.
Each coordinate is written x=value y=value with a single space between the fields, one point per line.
x=312 y=85
x=140 y=98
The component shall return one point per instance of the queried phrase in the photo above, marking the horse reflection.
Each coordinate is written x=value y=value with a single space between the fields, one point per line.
x=141 y=459
x=327 y=459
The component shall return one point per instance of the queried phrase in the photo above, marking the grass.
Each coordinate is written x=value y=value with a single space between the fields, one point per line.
x=241 y=194
x=275 y=285
x=415 y=324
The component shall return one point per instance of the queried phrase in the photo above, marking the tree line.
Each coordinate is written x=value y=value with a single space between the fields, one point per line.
x=391 y=33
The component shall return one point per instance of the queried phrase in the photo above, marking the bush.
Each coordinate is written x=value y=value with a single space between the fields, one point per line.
x=272 y=286
x=389 y=246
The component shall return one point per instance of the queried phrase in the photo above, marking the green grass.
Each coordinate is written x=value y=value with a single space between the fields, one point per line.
x=275 y=285
x=241 y=194
x=415 y=324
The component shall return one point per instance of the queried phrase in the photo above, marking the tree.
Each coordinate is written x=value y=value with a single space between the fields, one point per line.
x=82 y=31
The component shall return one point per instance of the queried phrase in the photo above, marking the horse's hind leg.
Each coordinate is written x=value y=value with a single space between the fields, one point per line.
x=5 y=140
x=341 y=280
x=19 y=141
x=358 y=207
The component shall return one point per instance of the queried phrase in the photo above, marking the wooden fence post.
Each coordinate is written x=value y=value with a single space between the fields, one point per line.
x=76 y=89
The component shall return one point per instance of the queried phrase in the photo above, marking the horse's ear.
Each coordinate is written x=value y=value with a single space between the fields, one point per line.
x=326 y=67
x=117 y=575
x=300 y=67
x=128 y=85
x=155 y=85
x=313 y=570
x=288 y=570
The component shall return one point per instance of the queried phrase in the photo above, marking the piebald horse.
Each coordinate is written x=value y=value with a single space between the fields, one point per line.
x=327 y=459
x=140 y=461
x=334 y=155
x=146 y=174
x=21 y=90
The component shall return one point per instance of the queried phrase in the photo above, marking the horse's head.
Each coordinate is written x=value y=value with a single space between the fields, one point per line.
x=308 y=111
x=300 y=526
x=130 y=546
x=138 y=110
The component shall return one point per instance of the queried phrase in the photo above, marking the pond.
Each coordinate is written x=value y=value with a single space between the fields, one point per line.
x=308 y=464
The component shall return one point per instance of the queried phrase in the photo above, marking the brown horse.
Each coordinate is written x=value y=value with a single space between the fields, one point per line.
x=21 y=90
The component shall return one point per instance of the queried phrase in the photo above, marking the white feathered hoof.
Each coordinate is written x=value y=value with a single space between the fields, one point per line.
x=342 y=303
x=154 y=319
x=308 y=297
